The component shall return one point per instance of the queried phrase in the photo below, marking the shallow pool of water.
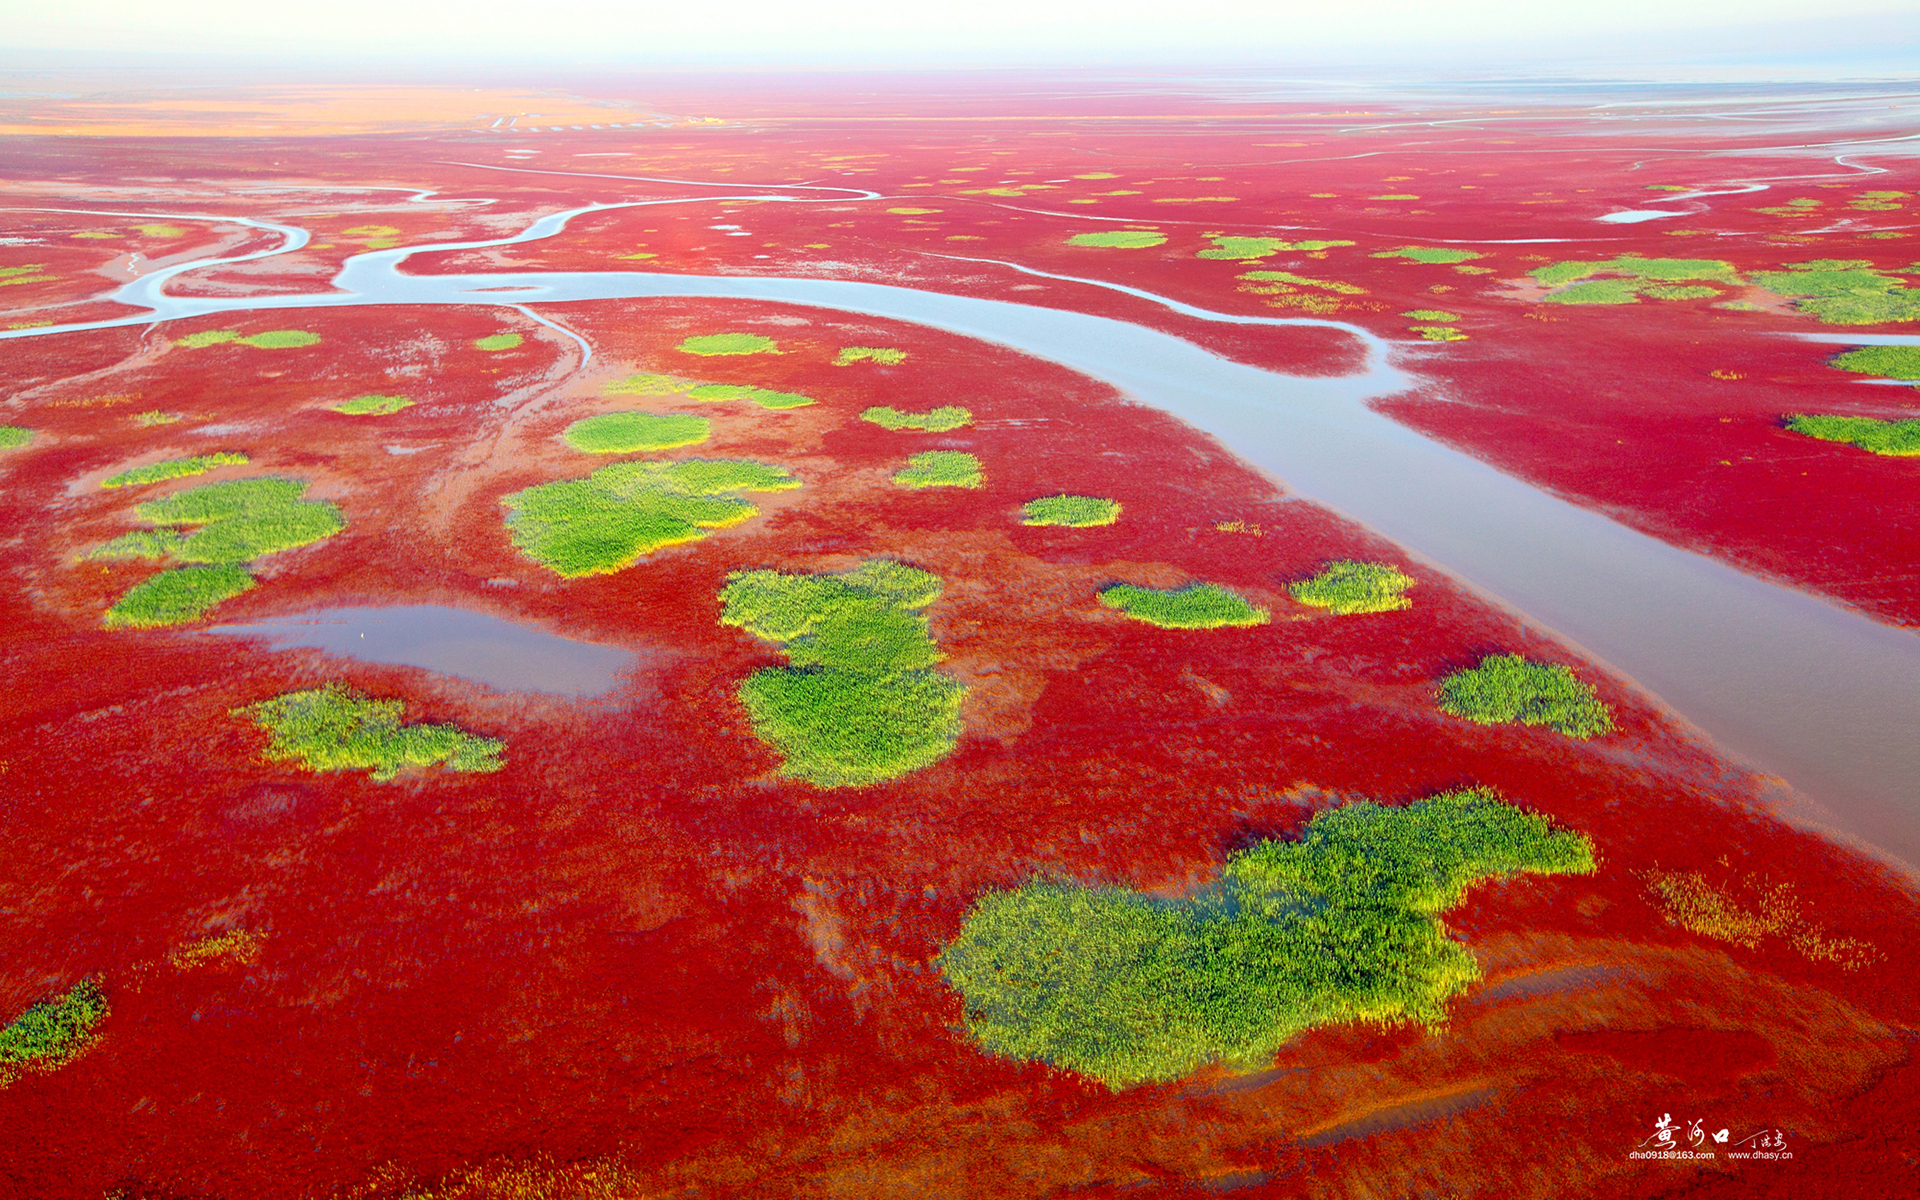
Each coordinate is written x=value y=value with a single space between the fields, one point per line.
x=451 y=641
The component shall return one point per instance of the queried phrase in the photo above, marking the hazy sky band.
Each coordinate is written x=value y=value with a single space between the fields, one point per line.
x=983 y=32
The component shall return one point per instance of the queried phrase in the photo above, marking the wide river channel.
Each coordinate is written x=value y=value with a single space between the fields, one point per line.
x=1798 y=687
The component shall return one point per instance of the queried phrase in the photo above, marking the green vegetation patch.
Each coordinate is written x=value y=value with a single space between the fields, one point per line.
x=1288 y=277
x=1899 y=439
x=886 y=356
x=174 y=468
x=334 y=728
x=860 y=703
x=26 y=274
x=627 y=510
x=1429 y=254
x=693 y=389
x=498 y=341
x=1893 y=362
x=372 y=405
x=1843 y=291
x=243 y=519
x=1119 y=239
x=1196 y=606
x=229 y=524
x=1430 y=314
x=174 y=596
x=714 y=344
x=1250 y=249
x=1630 y=277
x=1438 y=333
x=1076 y=511
x=273 y=339
x=281 y=339
x=156 y=417
x=1507 y=688
x=1633 y=266
x=12 y=437
x=940 y=468
x=52 y=1032
x=1349 y=587
x=1340 y=926
x=629 y=432
x=939 y=420
x=1598 y=291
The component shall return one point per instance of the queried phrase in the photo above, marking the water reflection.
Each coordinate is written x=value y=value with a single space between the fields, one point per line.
x=452 y=641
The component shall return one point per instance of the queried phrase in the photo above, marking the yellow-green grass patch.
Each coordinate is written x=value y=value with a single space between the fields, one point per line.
x=940 y=468
x=624 y=511
x=1077 y=512
x=1288 y=277
x=1342 y=926
x=498 y=341
x=886 y=356
x=162 y=231
x=30 y=273
x=631 y=432
x=243 y=519
x=1893 y=362
x=334 y=728
x=272 y=339
x=1196 y=606
x=938 y=420
x=1506 y=688
x=12 y=437
x=710 y=393
x=175 y=596
x=1430 y=314
x=1119 y=239
x=372 y=405
x=1894 y=438
x=1438 y=333
x=230 y=524
x=156 y=417
x=1348 y=588
x=51 y=1033
x=859 y=703
x=1250 y=249
x=717 y=344
x=1843 y=291
x=1429 y=254
x=174 y=468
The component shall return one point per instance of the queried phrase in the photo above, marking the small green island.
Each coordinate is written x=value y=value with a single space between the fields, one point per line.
x=1340 y=926
x=1348 y=588
x=1076 y=512
x=1895 y=438
x=611 y=519
x=859 y=702
x=334 y=728
x=710 y=393
x=1506 y=688
x=632 y=432
x=272 y=339
x=372 y=405
x=719 y=344
x=232 y=524
x=940 y=468
x=52 y=1033
x=937 y=420
x=1196 y=606
x=1119 y=239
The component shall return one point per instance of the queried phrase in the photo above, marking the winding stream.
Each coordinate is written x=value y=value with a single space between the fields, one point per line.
x=1822 y=696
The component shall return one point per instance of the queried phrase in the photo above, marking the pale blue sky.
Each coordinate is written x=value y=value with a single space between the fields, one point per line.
x=959 y=32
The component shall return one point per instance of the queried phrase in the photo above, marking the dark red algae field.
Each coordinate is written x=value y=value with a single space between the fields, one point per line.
x=898 y=764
